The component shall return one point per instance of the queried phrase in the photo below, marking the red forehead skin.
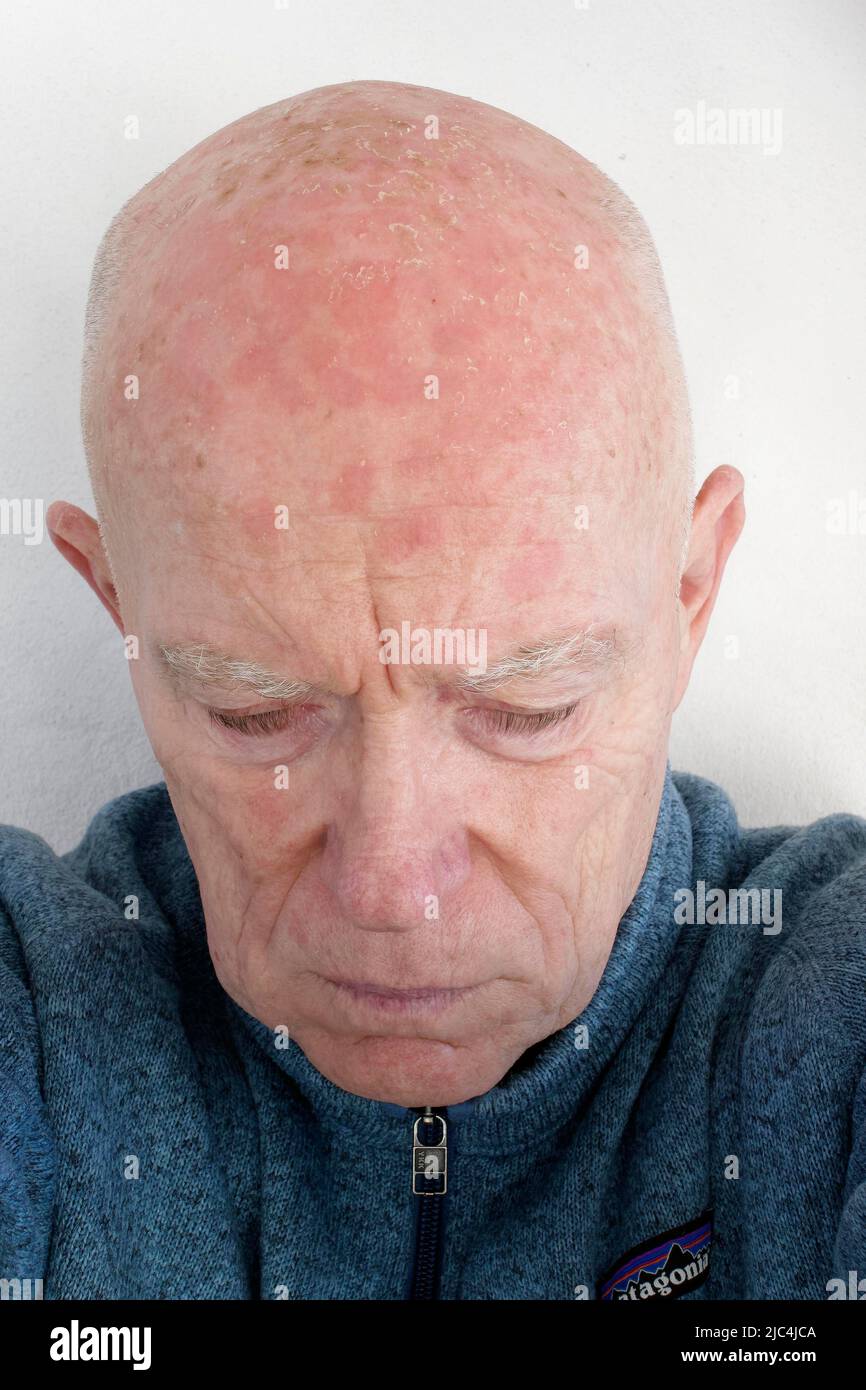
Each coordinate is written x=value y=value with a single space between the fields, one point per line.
x=535 y=569
x=410 y=259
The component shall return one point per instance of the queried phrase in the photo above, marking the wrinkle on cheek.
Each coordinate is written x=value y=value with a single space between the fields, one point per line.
x=247 y=867
x=271 y=846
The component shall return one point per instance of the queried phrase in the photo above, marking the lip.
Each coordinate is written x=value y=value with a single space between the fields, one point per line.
x=425 y=999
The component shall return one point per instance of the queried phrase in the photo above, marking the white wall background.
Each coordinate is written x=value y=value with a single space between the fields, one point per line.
x=765 y=263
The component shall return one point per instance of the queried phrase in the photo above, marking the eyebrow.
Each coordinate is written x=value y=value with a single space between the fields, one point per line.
x=575 y=654
x=202 y=666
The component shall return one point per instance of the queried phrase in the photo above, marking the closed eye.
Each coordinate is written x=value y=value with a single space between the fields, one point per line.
x=271 y=721
x=502 y=721
x=497 y=721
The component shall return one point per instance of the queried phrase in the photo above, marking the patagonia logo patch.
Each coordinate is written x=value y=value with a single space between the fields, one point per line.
x=666 y=1266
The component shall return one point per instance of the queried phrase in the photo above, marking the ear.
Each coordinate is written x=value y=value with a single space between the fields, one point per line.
x=718 y=518
x=77 y=537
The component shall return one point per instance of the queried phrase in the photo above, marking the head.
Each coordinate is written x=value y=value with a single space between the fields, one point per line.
x=392 y=461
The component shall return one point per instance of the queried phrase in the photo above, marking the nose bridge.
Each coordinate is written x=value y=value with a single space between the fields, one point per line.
x=391 y=853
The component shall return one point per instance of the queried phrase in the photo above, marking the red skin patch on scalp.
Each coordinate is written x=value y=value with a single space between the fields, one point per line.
x=408 y=258
x=261 y=369
x=193 y=381
x=342 y=388
x=456 y=339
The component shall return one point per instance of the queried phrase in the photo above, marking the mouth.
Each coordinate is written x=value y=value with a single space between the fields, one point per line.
x=427 y=999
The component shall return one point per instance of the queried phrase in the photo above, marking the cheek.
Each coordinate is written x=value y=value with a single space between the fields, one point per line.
x=254 y=820
x=244 y=847
x=263 y=815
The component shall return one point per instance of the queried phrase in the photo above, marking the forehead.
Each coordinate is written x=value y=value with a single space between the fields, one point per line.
x=319 y=591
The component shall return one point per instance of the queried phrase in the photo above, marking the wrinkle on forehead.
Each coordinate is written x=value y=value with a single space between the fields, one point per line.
x=415 y=266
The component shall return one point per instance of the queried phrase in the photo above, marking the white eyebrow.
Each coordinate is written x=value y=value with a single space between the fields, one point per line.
x=201 y=665
x=576 y=654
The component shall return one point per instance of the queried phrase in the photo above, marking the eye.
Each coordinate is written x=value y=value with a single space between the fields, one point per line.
x=270 y=721
x=497 y=721
x=502 y=721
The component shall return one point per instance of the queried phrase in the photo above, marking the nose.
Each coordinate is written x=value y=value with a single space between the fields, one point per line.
x=395 y=855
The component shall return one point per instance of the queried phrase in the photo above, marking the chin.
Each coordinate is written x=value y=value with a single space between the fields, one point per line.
x=404 y=1070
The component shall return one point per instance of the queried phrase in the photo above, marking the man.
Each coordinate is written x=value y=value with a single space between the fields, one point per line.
x=421 y=975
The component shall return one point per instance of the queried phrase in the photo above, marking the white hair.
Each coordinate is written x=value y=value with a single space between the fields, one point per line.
x=104 y=282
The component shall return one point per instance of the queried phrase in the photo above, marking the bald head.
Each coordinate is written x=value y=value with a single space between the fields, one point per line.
x=372 y=263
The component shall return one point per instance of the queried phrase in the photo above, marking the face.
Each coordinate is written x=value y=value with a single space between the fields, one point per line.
x=392 y=828
x=417 y=873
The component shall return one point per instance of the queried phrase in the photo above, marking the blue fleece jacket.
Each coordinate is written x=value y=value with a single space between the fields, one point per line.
x=699 y=1130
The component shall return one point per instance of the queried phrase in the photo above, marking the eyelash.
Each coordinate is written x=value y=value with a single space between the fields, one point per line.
x=508 y=721
x=503 y=721
x=269 y=722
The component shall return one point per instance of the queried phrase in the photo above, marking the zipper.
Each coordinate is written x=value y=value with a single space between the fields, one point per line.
x=429 y=1184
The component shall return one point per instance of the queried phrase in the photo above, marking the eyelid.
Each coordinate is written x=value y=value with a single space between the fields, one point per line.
x=504 y=721
x=261 y=722
x=528 y=721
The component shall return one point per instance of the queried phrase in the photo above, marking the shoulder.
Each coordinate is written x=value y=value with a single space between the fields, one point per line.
x=76 y=931
x=797 y=975
x=130 y=863
x=818 y=866
x=26 y=1145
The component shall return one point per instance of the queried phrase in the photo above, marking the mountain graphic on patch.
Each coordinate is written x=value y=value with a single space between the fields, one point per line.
x=665 y=1266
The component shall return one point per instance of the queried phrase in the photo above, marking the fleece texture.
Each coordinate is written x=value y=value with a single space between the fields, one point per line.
x=158 y=1142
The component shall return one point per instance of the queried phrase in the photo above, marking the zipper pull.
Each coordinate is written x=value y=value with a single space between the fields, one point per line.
x=429 y=1155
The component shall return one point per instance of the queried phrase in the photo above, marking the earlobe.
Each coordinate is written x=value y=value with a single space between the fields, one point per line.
x=76 y=536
